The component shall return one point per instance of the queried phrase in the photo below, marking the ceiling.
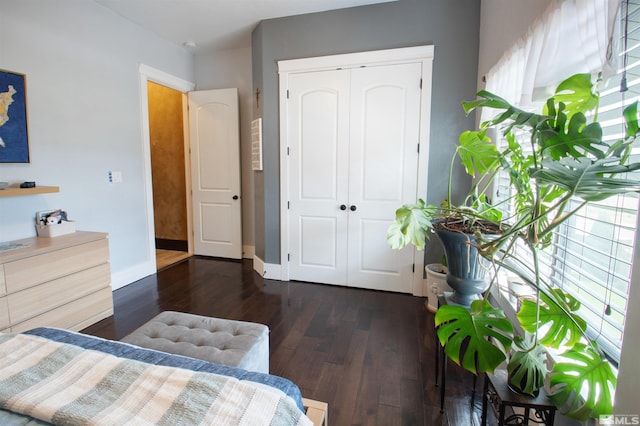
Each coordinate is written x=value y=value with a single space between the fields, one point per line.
x=215 y=24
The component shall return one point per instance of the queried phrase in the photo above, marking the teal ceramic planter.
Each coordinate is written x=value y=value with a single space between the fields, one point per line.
x=467 y=270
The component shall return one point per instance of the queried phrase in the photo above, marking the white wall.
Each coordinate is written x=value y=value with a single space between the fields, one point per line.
x=83 y=101
x=502 y=23
x=221 y=70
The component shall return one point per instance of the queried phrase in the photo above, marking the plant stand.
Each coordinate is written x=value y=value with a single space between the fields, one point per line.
x=539 y=410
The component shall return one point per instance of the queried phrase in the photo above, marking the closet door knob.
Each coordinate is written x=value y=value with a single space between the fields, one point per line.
x=235 y=197
x=343 y=207
x=353 y=208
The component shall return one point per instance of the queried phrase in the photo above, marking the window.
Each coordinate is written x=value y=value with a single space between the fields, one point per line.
x=592 y=253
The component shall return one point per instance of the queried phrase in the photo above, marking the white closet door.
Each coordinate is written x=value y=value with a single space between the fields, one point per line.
x=318 y=135
x=353 y=159
x=383 y=170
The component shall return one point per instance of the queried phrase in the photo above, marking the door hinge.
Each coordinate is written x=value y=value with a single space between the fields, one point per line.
x=413 y=268
x=418 y=148
x=287 y=93
x=288 y=257
x=420 y=84
x=288 y=150
x=288 y=205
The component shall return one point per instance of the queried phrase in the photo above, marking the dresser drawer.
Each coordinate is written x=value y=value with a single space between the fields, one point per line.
x=4 y=313
x=75 y=315
x=36 y=300
x=27 y=272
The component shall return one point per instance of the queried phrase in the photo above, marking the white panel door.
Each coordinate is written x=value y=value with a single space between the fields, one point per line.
x=383 y=170
x=215 y=168
x=318 y=167
x=353 y=137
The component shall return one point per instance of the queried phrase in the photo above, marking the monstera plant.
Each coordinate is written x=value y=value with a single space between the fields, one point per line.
x=552 y=158
x=457 y=225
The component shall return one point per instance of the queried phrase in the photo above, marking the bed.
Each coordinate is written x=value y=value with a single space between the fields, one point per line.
x=54 y=376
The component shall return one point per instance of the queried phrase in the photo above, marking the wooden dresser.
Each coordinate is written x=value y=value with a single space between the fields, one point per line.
x=62 y=282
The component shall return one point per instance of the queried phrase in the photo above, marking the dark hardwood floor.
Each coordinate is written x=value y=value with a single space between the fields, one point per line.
x=369 y=354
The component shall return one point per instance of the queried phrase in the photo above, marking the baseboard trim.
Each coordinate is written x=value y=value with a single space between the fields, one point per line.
x=176 y=245
x=270 y=271
x=248 y=252
x=127 y=276
x=258 y=265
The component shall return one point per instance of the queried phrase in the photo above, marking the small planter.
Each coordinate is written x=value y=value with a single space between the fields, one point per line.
x=436 y=284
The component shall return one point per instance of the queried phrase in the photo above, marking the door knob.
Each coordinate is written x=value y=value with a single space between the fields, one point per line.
x=235 y=197
x=353 y=208
x=343 y=207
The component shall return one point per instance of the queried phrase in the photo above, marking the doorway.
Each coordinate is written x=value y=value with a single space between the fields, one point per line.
x=186 y=90
x=168 y=174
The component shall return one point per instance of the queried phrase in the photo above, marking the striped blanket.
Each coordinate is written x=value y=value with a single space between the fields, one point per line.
x=64 y=384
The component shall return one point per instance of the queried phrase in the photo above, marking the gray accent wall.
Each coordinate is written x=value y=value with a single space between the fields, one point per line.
x=451 y=26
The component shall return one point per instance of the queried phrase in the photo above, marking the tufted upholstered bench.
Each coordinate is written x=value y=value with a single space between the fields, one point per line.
x=228 y=342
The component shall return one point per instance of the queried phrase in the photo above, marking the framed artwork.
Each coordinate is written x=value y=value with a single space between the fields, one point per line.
x=14 y=138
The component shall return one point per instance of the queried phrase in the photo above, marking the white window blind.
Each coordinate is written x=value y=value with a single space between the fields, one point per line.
x=592 y=253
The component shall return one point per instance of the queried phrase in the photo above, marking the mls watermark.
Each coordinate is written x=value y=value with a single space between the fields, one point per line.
x=619 y=419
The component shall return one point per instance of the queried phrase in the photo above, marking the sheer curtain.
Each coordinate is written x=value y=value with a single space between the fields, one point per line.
x=571 y=36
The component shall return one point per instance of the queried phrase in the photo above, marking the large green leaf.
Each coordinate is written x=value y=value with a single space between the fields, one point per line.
x=591 y=180
x=411 y=225
x=486 y=99
x=583 y=386
x=477 y=153
x=577 y=93
x=630 y=115
x=565 y=326
x=527 y=365
x=511 y=115
x=474 y=327
x=575 y=138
